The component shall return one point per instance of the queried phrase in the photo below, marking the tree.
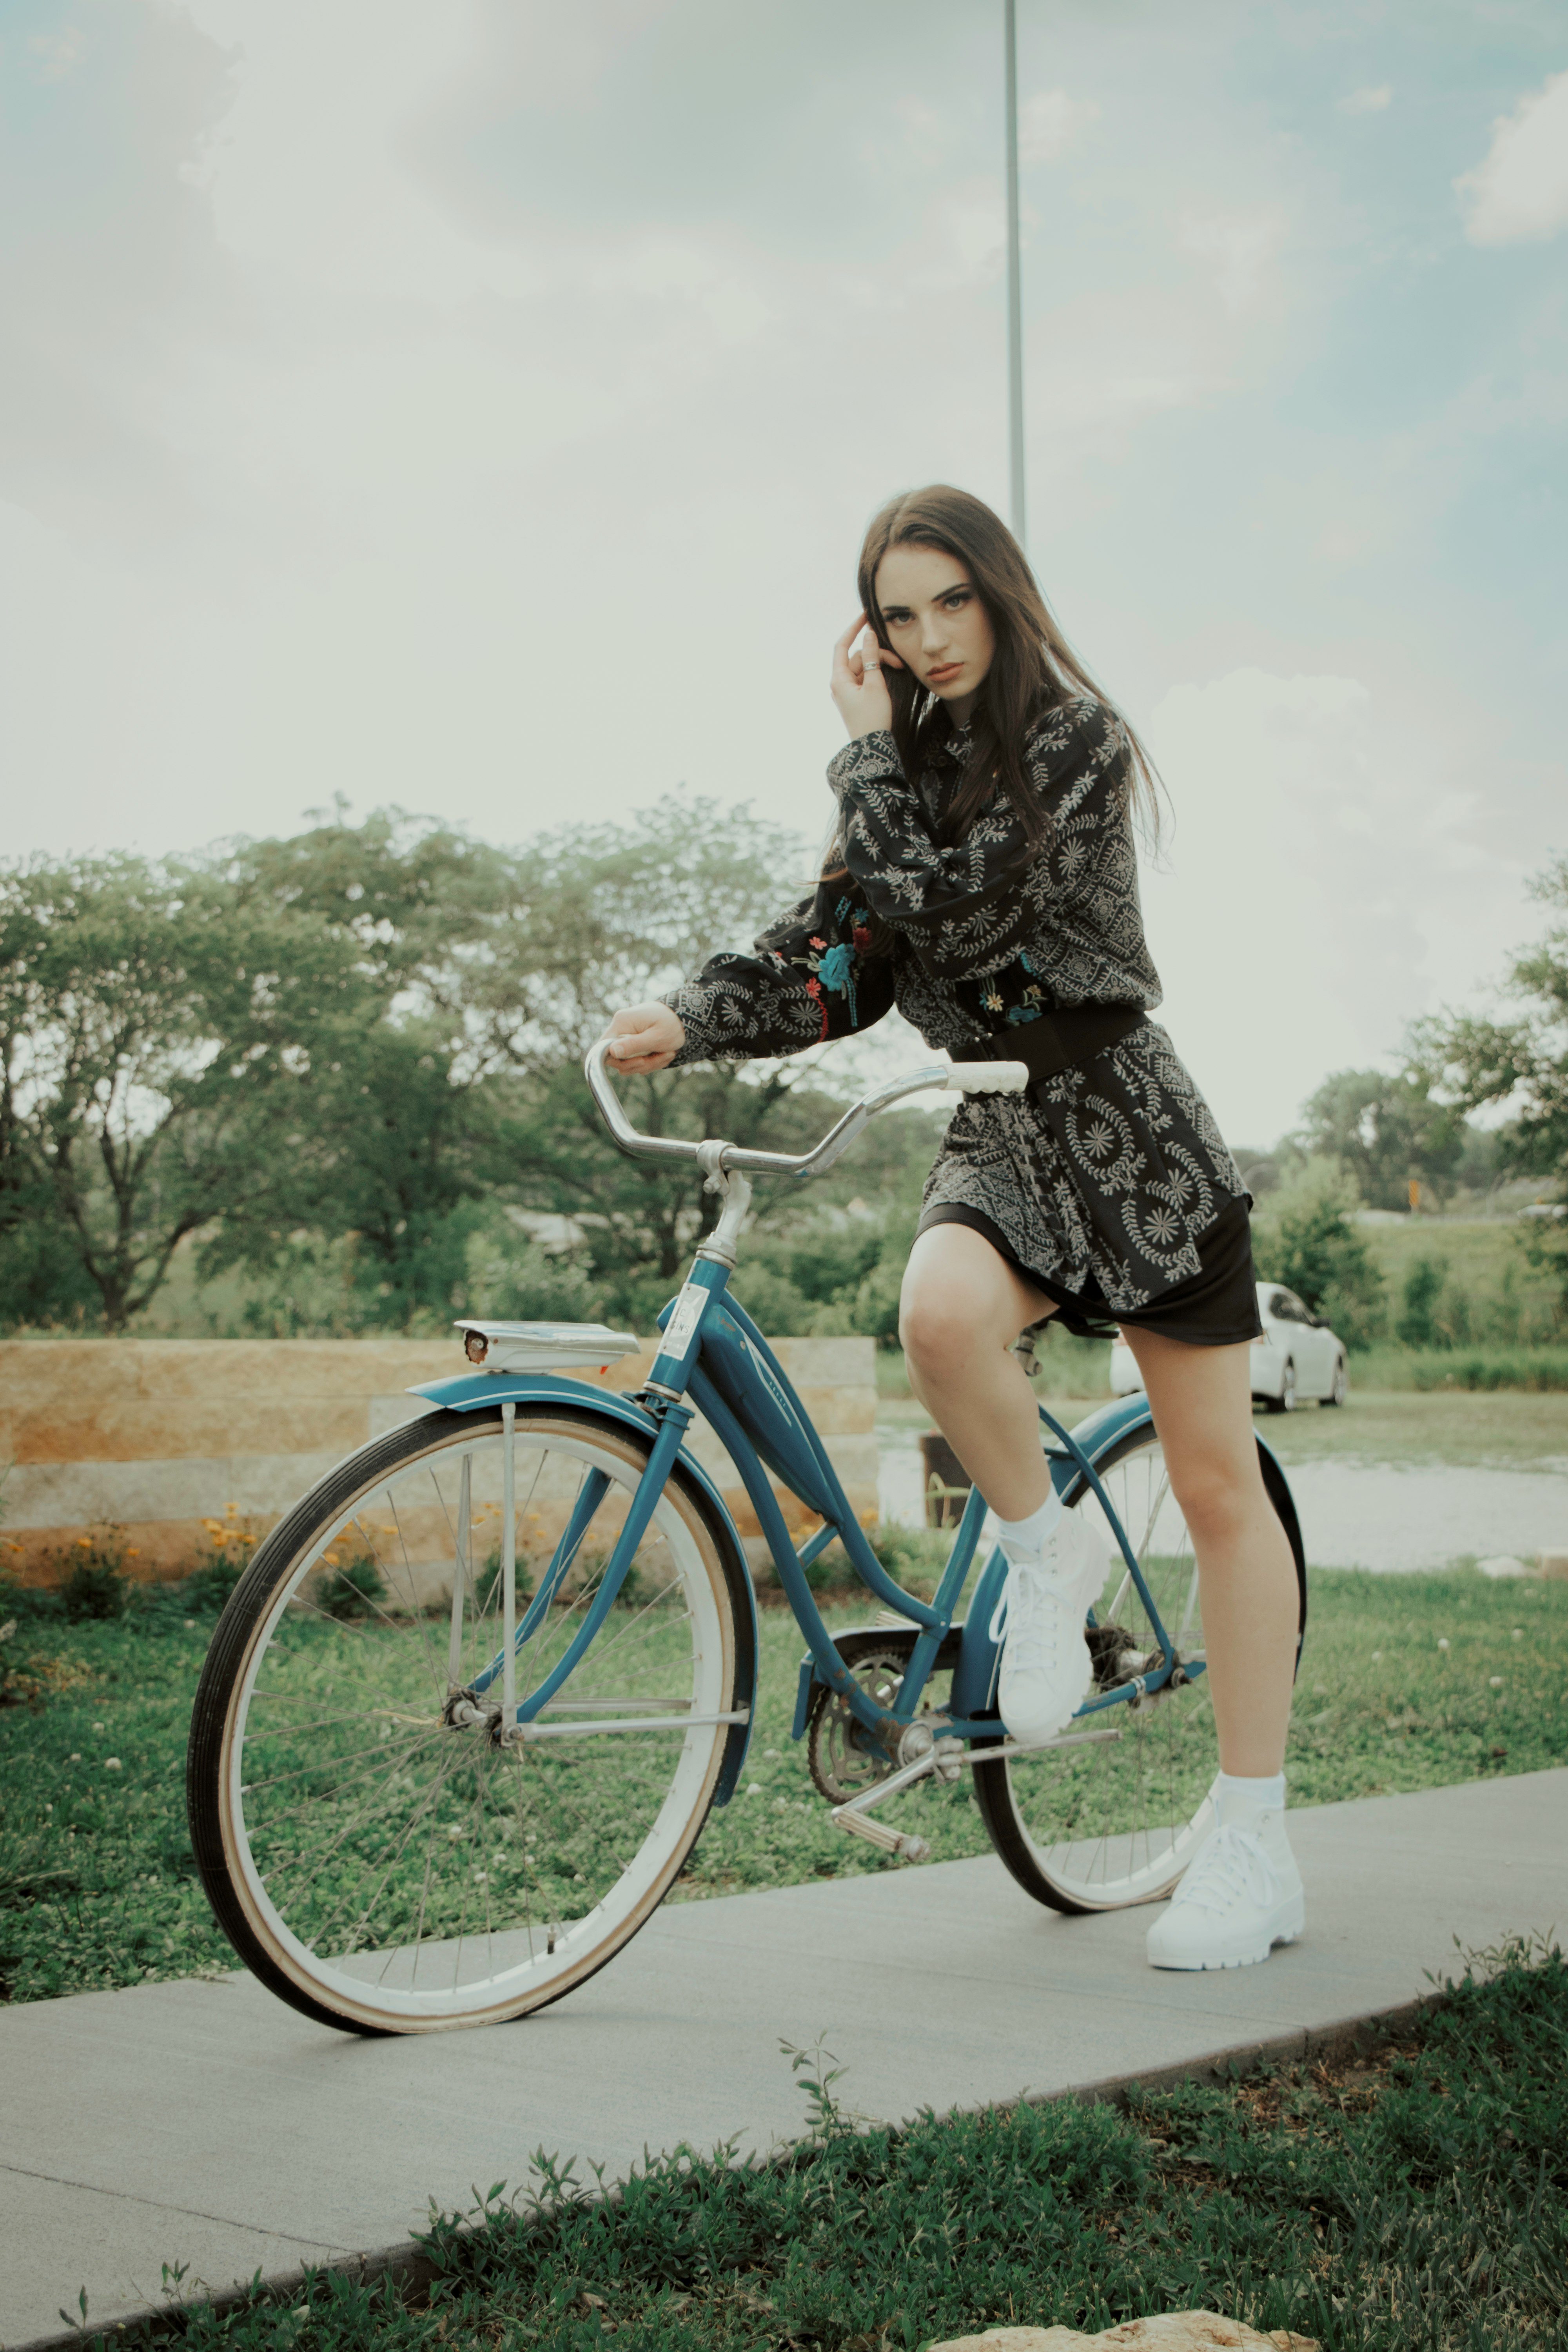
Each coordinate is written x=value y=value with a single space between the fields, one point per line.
x=333 y=1059
x=607 y=915
x=388 y=1161
x=1304 y=1237
x=1383 y=1130
x=393 y=1145
x=154 y=1033
x=42 y=1278
x=1471 y=1061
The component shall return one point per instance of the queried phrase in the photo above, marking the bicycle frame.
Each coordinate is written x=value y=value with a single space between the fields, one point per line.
x=714 y=1355
x=713 y=1359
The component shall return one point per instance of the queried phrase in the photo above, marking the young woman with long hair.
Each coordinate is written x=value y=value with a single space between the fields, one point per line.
x=982 y=877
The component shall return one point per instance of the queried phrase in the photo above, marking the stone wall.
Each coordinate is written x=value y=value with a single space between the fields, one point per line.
x=154 y=1435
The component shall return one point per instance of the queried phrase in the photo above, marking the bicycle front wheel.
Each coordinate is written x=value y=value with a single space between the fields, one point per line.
x=1101 y=1827
x=387 y=1871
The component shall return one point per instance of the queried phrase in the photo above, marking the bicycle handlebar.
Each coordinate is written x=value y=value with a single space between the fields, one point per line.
x=952 y=1077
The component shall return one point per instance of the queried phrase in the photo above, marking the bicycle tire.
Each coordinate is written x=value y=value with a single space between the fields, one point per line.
x=294 y=1808
x=1076 y=1827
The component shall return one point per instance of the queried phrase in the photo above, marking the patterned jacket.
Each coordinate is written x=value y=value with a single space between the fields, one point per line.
x=1107 y=1175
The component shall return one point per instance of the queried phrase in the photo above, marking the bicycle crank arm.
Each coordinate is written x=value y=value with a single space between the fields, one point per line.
x=942 y=1757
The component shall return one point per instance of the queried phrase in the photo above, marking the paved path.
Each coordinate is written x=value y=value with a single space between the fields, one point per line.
x=205 y=2123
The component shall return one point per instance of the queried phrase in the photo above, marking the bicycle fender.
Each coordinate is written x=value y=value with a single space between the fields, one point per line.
x=1101 y=1428
x=469 y=1391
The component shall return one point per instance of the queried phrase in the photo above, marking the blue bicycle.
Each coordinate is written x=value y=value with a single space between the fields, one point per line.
x=468 y=1710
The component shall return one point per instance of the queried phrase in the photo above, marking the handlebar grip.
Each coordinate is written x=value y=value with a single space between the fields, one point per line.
x=987 y=1078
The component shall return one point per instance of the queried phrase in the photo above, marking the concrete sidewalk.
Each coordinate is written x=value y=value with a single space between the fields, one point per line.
x=205 y=2123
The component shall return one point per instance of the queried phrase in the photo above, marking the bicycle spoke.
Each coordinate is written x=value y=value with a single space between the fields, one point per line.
x=419 y=1866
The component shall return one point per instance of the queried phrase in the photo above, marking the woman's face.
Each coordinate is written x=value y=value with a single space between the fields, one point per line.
x=936 y=624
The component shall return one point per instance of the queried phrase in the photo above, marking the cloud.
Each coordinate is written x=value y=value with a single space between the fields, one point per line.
x=107 y=263
x=1520 y=190
x=1050 y=123
x=478 y=409
x=1367 y=102
x=1329 y=876
x=1238 y=247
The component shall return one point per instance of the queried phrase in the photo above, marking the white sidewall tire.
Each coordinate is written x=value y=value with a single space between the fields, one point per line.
x=248 y=1914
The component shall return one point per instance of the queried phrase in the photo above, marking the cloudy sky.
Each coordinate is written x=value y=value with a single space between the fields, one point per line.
x=477 y=406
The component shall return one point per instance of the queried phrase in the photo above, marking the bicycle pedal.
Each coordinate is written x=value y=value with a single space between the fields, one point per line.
x=879 y=1835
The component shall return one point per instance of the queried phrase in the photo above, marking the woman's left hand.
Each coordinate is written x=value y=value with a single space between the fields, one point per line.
x=858 y=685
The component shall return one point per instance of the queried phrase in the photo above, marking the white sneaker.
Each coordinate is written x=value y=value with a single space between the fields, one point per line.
x=1046 y=1665
x=1240 y=1895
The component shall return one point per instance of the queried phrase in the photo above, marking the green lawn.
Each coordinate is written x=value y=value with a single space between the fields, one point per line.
x=1412 y=2197
x=95 y=1875
x=1499 y=1428
x=1503 y=1429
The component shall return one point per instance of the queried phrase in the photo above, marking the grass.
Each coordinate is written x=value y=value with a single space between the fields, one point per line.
x=1500 y=1431
x=98 y=1885
x=1407 y=2197
x=1483 y=1257
x=1537 y=1371
x=1497 y=1429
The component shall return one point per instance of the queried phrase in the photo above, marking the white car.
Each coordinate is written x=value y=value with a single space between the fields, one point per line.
x=1297 y=1356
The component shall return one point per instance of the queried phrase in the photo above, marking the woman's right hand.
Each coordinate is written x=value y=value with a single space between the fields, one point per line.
x=644 y=1037
x=858 y=685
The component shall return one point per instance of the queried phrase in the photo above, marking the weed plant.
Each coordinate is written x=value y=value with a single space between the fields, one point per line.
x=1407 y=2197
x=98 y=1885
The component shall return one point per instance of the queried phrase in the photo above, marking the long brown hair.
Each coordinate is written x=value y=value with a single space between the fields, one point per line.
x=1033 y=671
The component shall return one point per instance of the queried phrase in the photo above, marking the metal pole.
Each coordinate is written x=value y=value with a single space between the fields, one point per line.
x=1015 y=293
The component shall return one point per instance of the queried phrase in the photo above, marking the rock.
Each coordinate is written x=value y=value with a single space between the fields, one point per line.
x=1170 y=2331
x=1505 y=1564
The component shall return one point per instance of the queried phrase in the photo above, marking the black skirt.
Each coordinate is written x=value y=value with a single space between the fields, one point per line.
x=1216 y=1307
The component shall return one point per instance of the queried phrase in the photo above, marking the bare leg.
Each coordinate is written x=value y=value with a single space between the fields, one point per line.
x=961 y=1308
x=1202 y=1404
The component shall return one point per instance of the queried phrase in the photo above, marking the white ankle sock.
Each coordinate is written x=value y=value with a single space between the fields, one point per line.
x=1028 y=1538
x=1240 y=1801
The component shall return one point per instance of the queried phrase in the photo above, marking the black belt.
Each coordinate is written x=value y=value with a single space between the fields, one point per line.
x=1062 y=1041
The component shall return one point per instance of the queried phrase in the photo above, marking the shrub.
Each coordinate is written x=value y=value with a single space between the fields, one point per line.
x=1539 y=1370
x=913 y=1556
x=487 y=1586
x=829 y=1275
x=1303 y=1237
x=96 y=1586
x=350 y=1588
x=1543 y=1369
x=1416 y=1327
x=221 y=1561
x=512 y=1279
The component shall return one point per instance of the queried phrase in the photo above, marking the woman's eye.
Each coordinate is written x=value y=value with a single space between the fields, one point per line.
x=959 y=598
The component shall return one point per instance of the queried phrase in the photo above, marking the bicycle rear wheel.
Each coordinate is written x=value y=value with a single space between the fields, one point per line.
x=1096 y=1829
x=385 y=1871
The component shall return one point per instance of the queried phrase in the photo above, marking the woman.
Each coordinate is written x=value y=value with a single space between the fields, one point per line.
x=983 y=878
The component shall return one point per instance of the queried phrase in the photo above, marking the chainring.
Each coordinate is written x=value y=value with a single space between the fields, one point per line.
x=842 y=1761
